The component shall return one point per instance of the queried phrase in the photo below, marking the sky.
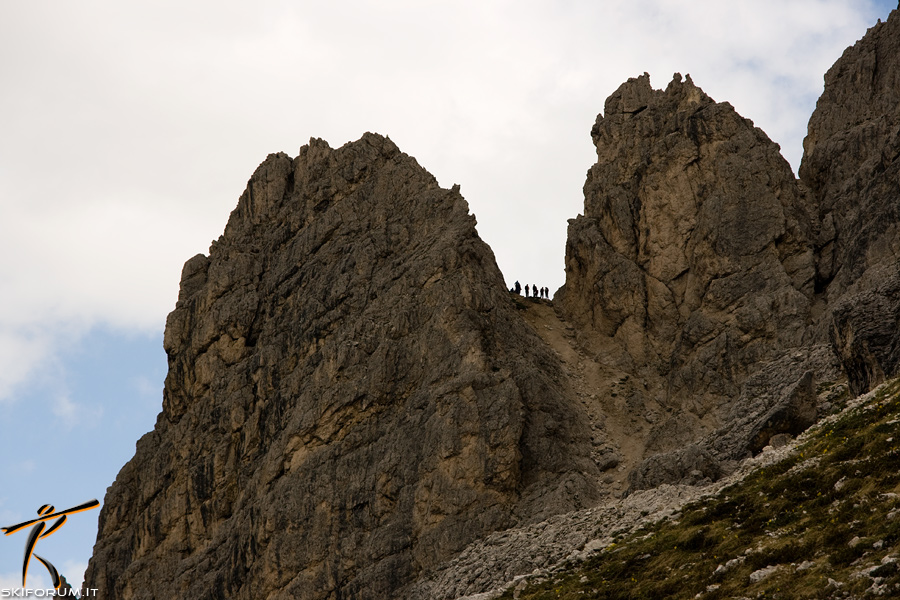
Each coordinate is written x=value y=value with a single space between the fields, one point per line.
x=128 y=131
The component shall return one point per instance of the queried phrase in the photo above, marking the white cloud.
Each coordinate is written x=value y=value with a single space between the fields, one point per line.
x=21 y=350
x=74 y=572
x=10 y=581
x=65 y=409
x=36 y=580
x=134 y=132
x=146 y=388
x=70 y=414
x=6 y=515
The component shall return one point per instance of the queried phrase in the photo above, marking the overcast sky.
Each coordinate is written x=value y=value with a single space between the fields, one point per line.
x=128 y=133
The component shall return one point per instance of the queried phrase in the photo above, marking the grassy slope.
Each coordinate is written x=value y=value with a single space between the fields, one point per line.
x=827 y=518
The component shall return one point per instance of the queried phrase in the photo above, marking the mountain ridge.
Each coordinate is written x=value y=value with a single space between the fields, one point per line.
x=355 y=402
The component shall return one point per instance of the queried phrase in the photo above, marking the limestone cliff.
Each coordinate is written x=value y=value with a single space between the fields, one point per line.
x=692 y=264
x=726 y=290
x=357 y=408
x=351 y=397
x=851 y=164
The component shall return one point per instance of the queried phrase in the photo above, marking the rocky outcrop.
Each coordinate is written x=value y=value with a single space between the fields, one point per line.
x=850 y=159
x=351 y=397
x=693 y=255
x=779 y=399
x=705 y=271
x=864 y=331
x=357 y=408
x=851 y=165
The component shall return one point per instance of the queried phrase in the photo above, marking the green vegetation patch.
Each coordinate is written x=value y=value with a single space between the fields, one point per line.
x=822 y=523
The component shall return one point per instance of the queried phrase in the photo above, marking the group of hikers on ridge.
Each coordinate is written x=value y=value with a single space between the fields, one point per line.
x=533 y=291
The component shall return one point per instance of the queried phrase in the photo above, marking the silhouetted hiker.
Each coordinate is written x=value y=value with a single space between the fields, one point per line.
x=518 y=288
x=526 y=290
x=534 y=291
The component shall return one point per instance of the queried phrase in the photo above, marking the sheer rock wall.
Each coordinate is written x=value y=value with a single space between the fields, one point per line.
x=351 y=397
x=693 y=254
x=851 y=164
x=354 y=399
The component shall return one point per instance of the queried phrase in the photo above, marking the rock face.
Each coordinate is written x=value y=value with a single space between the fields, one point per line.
x=728 y=289
x=693 y=260
x=864 y=331
x=356 y=408
x=351 y=397
x=851 y=165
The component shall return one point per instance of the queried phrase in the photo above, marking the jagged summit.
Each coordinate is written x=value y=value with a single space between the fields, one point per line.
x=356 y=407
x=636 y=95
x=691 y=266
x=351 y=396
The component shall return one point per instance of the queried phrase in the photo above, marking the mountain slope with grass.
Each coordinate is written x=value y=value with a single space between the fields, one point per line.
x=821 y=519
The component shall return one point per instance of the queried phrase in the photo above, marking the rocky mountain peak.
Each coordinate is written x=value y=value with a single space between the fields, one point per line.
x=275 y=179
x=691 y=265
x=356 y=407
x=636 y=95
x=351 y=397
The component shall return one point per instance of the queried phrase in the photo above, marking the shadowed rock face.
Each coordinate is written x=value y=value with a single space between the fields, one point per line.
x=351 y=397
x=851 y=165
x=693 y=254
x=850 y=159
